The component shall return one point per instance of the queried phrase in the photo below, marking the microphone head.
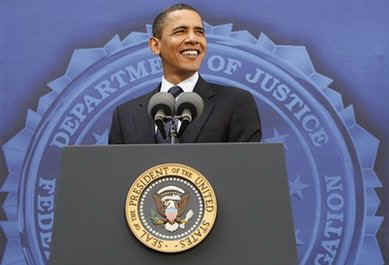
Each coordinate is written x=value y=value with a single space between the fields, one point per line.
x=161 y=101
x=190 y=101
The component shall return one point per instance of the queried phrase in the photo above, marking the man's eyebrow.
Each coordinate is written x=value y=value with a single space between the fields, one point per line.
x=186 y=27
x=180 y=27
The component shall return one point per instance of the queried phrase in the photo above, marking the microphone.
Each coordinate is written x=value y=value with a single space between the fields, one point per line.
x=189 y=106
x=161 y=107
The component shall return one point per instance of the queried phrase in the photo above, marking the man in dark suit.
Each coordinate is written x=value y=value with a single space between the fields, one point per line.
x=230 y=114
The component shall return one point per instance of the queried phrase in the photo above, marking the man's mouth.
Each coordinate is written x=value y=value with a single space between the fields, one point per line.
x=190 y=53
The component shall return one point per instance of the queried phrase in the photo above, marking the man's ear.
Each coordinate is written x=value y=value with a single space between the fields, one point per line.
x=154 y=45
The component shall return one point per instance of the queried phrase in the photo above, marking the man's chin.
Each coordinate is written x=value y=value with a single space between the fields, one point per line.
x=189 y=63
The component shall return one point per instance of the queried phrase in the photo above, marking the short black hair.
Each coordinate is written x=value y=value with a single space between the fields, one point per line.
x=161 y=17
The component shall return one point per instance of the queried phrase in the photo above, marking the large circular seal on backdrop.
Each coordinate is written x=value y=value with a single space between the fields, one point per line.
x=330 y=159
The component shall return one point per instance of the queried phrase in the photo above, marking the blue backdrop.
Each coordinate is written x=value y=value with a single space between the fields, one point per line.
x=305 y=62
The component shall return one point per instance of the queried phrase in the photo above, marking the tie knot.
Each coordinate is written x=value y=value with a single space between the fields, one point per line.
x=175 y=91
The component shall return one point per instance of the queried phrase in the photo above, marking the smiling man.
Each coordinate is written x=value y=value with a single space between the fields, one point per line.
x=230 y=114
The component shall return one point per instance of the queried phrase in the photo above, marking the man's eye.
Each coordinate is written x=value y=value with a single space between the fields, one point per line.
x=200 y=32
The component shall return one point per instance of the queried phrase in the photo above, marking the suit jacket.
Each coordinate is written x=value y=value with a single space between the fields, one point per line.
x=230 y=115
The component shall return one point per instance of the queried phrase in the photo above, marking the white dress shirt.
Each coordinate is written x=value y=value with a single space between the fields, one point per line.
x=187 y=85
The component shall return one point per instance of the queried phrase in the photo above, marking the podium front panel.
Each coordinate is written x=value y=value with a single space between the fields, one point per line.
x=253 y=226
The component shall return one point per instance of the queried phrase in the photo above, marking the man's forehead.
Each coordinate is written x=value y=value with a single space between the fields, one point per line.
x=183 y=18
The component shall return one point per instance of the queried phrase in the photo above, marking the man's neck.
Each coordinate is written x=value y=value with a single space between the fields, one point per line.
x=175 y=79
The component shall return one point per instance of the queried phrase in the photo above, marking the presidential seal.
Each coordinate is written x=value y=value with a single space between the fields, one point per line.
x=171 y=208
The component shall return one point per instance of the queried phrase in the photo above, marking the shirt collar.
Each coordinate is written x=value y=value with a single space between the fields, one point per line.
x=187 y=85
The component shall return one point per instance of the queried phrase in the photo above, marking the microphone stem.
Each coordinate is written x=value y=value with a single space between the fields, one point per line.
x=173 y=131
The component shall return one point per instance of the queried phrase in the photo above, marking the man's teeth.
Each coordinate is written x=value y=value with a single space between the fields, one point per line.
x=190 y=53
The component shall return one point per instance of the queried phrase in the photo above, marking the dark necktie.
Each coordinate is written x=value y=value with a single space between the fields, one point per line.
x=175 y=91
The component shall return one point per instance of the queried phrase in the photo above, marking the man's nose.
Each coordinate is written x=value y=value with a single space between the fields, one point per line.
x=192 y=37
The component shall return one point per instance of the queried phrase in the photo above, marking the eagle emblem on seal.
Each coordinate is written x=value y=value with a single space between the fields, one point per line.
x=171 y=203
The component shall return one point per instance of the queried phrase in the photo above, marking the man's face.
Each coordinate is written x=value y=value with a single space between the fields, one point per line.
x=182 y=44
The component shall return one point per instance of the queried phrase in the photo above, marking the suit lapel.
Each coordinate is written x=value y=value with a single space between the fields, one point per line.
x=143 y=121
x=206 y=92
